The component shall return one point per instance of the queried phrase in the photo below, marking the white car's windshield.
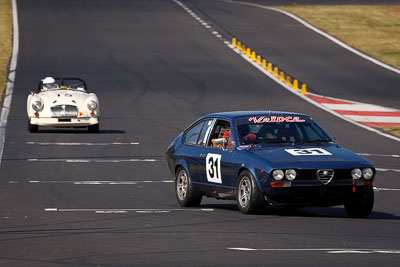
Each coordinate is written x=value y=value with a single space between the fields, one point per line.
x=77 y=86
x=50 y=86
x=64 y=84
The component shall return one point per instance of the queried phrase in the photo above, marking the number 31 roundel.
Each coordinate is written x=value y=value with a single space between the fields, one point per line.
x=213 y=168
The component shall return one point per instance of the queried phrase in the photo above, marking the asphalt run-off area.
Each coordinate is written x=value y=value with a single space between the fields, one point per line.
x=73 y=198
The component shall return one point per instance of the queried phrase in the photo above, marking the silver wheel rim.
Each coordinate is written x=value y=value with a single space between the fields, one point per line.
x=244 y=192
x=182 y=185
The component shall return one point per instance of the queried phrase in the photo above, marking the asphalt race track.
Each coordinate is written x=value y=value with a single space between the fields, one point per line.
x=72 y=198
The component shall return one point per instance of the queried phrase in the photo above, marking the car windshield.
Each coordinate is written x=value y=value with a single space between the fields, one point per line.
x=50 y=86
x=76 y=86
x=63 y=84
x=279 y=129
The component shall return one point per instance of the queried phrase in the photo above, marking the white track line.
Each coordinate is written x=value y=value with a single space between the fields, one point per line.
x=324 y=34
x=78 y=144
x=93 y=160
x=110 y=182
x=106 y=211
x=10 y=79
x=289 y=88
x=135 y=183
x=387 y=170
x=327 y=250
x=379 y=155
x=386 y=189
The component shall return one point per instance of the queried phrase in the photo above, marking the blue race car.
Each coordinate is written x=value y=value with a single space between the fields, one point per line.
x=265 y=157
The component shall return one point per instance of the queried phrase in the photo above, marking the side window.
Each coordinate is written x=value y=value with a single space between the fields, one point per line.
x=221 y=135
x=192 y=135
x=205 y=132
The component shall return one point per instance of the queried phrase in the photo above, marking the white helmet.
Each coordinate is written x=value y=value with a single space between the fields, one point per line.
x=49 y=83
x=48 y=80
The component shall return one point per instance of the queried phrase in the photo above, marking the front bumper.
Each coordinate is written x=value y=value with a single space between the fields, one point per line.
x=64 y=122
x=316 y=194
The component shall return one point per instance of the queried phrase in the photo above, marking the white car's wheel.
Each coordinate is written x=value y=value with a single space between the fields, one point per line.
x=32 y=128
x=94 y=128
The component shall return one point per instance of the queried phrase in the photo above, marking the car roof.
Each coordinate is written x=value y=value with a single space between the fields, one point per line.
x=239 y=114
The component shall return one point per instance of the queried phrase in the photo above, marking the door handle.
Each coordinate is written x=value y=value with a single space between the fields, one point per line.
x=202 y=155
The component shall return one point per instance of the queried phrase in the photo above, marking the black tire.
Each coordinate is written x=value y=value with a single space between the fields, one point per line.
x=185 y=192
x=363 y=207
x=248 y=197
x=32 y=128
x=95 y=128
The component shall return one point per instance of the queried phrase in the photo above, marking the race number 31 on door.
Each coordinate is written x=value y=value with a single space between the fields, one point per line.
x=213 y=168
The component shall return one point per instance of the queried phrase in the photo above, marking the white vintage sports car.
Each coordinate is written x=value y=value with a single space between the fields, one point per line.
x=63 y=102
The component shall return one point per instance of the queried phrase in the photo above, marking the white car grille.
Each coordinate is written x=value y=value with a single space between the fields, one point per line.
x=64 y=111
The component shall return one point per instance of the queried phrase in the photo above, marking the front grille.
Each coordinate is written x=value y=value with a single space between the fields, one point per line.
x=64 y=111
x=311 y=175
x=325 y=176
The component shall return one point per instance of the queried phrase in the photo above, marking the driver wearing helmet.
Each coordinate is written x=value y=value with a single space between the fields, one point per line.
x=49 y=83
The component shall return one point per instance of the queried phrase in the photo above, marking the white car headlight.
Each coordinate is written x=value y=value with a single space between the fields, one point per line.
x=356 y=173
x=367 y=173
x=277 y=175
x=92 y=105
x=37 y=105
x=290 y=174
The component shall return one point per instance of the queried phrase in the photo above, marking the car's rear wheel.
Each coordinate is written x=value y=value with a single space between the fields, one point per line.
x=363 y=207
x=32 y=128
x=248 y=196
x=186 y=194
x=95 y=128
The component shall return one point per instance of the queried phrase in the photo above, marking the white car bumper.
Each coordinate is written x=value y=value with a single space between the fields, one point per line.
x=64 y=122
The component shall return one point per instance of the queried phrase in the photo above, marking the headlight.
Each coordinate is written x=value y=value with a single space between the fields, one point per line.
x=277 y=175
x=92 y=105
x=367 y=173
x=356 y=173
x=37 y=105
x=290 y=174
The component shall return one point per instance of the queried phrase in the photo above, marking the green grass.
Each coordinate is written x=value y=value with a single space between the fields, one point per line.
x=5 y=41
x=395 y=130
x=374 y=29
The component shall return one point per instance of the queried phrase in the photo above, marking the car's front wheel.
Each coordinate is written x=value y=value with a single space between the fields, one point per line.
x=186 y=194
x=95 y=128
x=248 y=196
x=32 y=128
x=363 y=207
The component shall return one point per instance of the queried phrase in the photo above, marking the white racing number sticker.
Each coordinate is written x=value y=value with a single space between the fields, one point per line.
x=213 y=168
x=308 y=152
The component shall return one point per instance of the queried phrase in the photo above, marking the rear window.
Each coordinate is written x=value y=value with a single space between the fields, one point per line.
x=192 y=135
x=198 y=133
